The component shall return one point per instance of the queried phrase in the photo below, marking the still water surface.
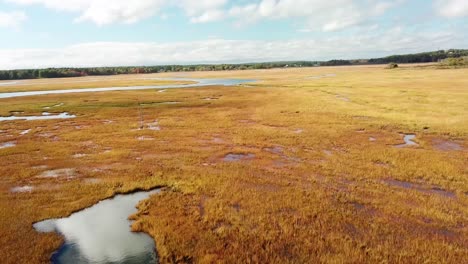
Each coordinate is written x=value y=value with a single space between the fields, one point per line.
x=199 y=83
x=101 y=234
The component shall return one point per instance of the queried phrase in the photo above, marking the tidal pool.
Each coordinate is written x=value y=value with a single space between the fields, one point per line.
x=322 y=76
x=44 y=116
x=408 y=138
x=7 y=145
x=200 y=82
x=232 y=157
x=445 y=145
x=22 y=189
x=24 y=132
x=101 y=233
x=7 y=83
x=432 y=189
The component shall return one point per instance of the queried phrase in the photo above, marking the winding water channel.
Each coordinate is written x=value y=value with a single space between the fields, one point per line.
x=199 y=83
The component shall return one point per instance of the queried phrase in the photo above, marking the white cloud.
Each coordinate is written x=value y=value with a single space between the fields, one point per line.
x=452 y=8
x=203 y=11
x=317 y=14
x=208 y=16
x=102 y=12
x=220 y=51
x=105 y=12
x=194 y=8
x=12 y=19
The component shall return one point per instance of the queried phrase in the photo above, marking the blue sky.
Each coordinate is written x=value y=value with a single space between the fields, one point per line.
x=53 y=33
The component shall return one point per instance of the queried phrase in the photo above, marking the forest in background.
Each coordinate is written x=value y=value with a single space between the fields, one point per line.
x=425 y=57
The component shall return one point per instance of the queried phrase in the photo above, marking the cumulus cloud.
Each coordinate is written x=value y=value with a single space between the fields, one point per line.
x=12 y=19
x=317 y=14
x=102 y=12
x=202 y=11
x=105 y=12
x=223 y=51
x=452 y=8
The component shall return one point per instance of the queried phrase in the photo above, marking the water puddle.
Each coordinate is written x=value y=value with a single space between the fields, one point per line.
x=59 y=173
x=7 y=145
x=276 y=150
x=285 y=159
x=233 y=157
x=24 y=132
x=22 y=189
x=101 y=234
x=79 y=155
x=408 y=138
x=321 y=76
x=343 y=98
x=106 y=122
x=154 y=126
x=161 y=103
x=44 y=116
x=445 y=145
x=145 y=138
x=92 y=181
x=7 y=83
x=40 y=167
x=53 y=106
x=419 y=187
x=218 y=140
x=199 y=83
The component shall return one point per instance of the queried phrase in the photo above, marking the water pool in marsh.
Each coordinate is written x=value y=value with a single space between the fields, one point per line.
x=101 y=233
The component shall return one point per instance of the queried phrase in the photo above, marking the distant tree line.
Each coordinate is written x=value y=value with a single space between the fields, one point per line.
x=76 y=72
x=434 y=56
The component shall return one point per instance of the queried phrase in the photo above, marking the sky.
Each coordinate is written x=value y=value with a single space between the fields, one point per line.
x=90 y=33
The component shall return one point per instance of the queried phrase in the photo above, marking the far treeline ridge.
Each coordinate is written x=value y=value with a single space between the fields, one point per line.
x=425 y=57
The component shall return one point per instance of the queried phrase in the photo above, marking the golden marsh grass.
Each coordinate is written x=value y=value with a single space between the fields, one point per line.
x=316 y=190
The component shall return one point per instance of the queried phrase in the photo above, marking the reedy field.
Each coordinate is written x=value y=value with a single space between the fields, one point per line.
x=326 y=184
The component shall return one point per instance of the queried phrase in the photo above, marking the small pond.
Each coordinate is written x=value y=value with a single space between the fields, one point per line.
x=101 y=233
x=408 y=138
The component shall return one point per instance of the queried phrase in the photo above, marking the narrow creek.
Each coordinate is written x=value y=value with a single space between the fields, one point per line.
x=408 y=138
x=101 y=233
x=44 y=116
x=199 y=83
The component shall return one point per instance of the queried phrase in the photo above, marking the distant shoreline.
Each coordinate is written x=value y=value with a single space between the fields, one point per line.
x=64 y=72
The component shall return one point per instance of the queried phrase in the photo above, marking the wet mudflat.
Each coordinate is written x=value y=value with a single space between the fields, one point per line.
x=446 y=145
x=420 y=187
x=233 y=157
